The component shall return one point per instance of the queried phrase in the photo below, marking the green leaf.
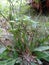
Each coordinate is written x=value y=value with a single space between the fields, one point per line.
x=41 y=55
x=42 y=48
x=2 y=49
x=18 y=60
x=32 y=63
x=38 y=60
x=47 y=58
x=8 y=62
